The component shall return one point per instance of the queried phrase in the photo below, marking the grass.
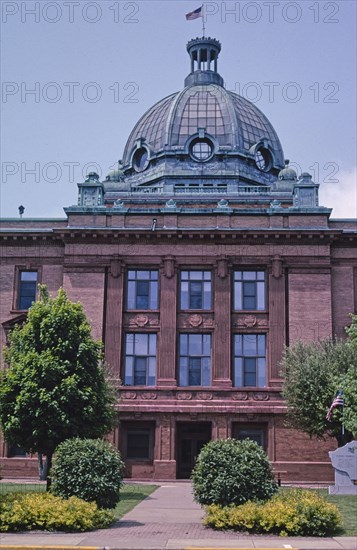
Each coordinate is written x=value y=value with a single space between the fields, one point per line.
x=130 y=495
x=22 y=488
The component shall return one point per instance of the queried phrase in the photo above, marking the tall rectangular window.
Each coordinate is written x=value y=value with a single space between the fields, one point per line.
x=27 y=289
x=196 y=290
x=195 y=360
x=140 y=359
x=249 y=290
x=249 y=360
x=142 y=289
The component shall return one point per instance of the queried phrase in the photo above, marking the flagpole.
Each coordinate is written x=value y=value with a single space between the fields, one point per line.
x=203 y=23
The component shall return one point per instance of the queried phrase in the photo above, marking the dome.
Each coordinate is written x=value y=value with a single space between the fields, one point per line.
x=287 y=174
x=234 y=122
x=202 y=130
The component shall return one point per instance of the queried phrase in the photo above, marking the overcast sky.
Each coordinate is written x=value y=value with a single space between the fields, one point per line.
x=77 y=75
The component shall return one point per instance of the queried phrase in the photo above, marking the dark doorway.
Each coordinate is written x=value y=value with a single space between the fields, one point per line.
x=191 y=436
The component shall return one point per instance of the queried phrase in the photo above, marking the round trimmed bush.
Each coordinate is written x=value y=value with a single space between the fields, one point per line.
x=229 y=471
x=90 y=469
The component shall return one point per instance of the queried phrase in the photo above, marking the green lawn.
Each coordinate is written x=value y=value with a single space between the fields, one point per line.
x=130 y=495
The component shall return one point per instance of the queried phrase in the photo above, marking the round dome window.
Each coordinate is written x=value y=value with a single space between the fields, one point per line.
x=201 y=149
x=263 y=159
x=141 y=159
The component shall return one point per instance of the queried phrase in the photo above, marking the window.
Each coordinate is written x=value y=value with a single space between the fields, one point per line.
x=142 y=289
x=196 y=290
x=201 y=150
x=195 y=360
x=249 y=290
x=255 y=432
x=249 y=360
x=263 y=159
x=27 y=289
x=15 y=451
x=138 y=440
x=141 y=159
x=140 y=359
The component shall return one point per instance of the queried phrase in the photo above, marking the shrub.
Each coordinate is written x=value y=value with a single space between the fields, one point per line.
x=90 y=469
x=295 y=512
x=229 y=471
x=25 y=511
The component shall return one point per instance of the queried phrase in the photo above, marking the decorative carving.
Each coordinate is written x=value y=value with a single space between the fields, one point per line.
x=222 y=268
x=277 y=267
x=169 y=267
x=115 y=268
x=240 y=396
x=148 y=395
x=204 y=396
x=128 y=395
x=261 y=396
x=141 y=320
x=208 y=323
x=195 y=320
x=184 y=396
x=250 y=321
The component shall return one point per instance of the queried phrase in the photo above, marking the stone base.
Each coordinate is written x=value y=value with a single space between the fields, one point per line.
x=164 y=469
x=342 y=490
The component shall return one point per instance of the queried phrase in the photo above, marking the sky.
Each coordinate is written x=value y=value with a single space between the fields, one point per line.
x=77 y=75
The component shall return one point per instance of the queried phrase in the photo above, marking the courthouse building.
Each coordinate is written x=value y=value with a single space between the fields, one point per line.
x=196 y=261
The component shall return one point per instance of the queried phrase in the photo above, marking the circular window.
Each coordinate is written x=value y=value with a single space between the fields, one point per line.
x=263 y=159
x=201 y=149
x=141 y=159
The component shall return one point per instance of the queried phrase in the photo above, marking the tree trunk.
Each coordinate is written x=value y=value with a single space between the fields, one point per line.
x=44 y=468
x=41 y=474
x=48 y=470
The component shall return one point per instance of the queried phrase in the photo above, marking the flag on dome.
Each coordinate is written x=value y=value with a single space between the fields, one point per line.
x=194 y=14
x=337 y=402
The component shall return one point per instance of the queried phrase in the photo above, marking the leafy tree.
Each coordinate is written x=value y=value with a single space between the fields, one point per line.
x=55 y=386
x=314 y=373
x=352 y=330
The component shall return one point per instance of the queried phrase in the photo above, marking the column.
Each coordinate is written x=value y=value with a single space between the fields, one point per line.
x=114 y=316
x=277 y=318
x=221 y=364
x=168 y=311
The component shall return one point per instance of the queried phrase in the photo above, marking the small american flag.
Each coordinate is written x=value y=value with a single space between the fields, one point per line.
x=194 y=14
x=337 y=402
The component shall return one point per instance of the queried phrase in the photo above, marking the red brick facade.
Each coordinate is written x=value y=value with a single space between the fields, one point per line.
x=310 y=290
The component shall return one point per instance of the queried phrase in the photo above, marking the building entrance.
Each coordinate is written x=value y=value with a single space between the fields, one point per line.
x=191 y=436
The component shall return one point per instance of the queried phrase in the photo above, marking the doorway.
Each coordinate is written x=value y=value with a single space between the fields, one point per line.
x=191 y=436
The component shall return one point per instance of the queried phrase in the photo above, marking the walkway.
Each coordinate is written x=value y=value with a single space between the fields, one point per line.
x=168 y=519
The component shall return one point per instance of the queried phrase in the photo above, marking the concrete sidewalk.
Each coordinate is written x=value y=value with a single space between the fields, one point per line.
x=167 y=519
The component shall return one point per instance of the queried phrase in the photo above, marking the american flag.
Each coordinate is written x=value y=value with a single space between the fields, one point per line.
x=194 y=14
x=337 y=402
